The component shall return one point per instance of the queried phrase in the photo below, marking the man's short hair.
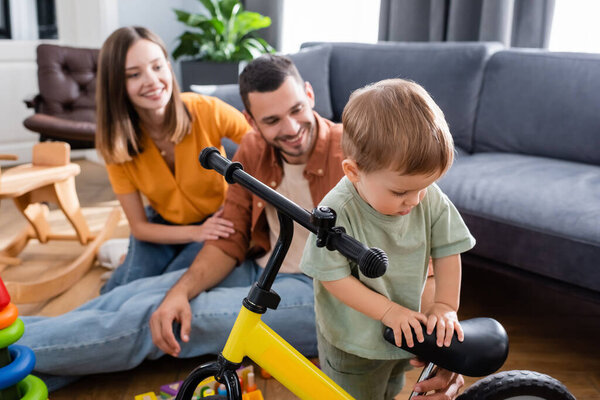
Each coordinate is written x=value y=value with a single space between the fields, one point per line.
x=395 y=124
x=266 y=74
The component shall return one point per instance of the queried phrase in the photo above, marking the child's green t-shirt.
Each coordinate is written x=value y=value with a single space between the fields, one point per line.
x=433 y=228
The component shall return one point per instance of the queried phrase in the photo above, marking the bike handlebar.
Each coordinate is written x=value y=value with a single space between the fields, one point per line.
x=372 y=262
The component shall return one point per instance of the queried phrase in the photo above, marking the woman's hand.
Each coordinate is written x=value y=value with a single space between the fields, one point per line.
x=442 y=317
x=401 y=319
x=213 y=228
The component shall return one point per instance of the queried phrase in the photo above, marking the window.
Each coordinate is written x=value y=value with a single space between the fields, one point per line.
x=46 y=17
x=5 y=19
x=575 y=26
x=28 y=19
x=328 y=21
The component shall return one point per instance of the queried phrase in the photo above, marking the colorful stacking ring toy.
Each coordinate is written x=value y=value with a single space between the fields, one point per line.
x=11 y=334
x=23 y=361
x=16 y=362
x=8 y=316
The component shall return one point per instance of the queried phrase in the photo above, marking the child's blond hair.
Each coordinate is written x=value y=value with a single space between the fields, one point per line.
x=395 y=124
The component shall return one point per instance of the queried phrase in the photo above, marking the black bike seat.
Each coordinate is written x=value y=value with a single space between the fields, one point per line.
x=483 y=351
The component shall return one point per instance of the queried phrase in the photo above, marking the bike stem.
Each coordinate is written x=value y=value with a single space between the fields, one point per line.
x=261 y=296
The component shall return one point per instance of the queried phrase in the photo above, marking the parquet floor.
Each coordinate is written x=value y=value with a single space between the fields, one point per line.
x=550 y=331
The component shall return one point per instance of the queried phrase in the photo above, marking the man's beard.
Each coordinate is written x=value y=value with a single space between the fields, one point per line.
x=309 y=141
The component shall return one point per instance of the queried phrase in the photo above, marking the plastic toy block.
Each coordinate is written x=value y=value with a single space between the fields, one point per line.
x=256 y=395
x=205 y=392
x=171 y=389
x=222 y=391
x=146 y=396
x=264 y=374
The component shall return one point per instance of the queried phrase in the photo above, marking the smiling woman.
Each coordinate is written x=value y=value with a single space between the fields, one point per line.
x=150 y=135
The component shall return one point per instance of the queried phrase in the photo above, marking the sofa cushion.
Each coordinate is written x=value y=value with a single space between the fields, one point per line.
x=313 y=65
x=541 y=103
x=451 y=72
x=531 y=212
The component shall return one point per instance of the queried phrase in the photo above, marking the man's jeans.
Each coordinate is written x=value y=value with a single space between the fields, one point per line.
x=111 y=332
x=146 y=259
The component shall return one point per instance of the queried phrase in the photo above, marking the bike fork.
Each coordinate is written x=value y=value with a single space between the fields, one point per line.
x=224 y=372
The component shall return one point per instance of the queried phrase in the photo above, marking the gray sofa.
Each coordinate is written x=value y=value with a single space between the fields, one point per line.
x=526 y=124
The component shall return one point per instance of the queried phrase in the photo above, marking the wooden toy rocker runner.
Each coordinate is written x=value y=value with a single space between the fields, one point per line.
x=49 y=178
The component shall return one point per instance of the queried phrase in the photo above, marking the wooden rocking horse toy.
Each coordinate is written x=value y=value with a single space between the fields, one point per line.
x=49 y=178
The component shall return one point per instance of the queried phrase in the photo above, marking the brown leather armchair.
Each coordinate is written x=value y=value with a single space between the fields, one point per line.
x=65 y=105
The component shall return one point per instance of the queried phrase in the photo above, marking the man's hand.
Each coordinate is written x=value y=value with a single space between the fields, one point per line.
x=444 y=384
x=174 y=307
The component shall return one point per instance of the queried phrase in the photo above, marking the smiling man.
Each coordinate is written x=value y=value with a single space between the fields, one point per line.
x=294 y=151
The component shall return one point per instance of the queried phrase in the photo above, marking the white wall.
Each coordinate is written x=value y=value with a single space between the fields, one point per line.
x=18 y=80
x=355 y=21
x=81 y=23
x=159 y=17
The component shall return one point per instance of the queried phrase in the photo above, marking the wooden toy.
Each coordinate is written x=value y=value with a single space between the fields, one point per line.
x=50 y=178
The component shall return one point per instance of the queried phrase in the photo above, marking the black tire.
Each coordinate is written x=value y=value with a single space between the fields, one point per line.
x=507 y=384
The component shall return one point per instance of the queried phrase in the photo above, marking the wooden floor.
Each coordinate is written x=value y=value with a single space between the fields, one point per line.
x=550 y=331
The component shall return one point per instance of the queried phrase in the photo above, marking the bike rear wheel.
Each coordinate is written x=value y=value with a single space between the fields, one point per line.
x=517 y=385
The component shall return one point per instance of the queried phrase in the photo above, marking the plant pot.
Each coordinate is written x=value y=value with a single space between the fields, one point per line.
x=209 y=73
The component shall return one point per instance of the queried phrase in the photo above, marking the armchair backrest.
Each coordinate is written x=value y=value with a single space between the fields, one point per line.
x=65 y=107
x=67 y=81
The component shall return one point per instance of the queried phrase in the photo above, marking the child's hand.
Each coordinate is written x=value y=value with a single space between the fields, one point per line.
x=442 y=317
x=400 y=319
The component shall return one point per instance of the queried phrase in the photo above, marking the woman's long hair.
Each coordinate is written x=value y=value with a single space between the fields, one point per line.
x=118 y=134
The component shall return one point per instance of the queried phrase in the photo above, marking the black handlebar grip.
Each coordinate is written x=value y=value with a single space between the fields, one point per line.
x=373 y=262
x=209 y=160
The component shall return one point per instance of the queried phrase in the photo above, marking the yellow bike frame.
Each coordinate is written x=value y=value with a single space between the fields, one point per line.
x=251 y=337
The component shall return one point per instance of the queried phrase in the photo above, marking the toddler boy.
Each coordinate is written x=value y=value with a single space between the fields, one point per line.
x=396 y=144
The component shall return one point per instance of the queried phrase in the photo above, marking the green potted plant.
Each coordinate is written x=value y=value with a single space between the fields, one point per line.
x=223 y=37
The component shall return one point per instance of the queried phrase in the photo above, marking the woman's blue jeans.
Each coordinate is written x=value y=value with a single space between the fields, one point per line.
x=146 y=259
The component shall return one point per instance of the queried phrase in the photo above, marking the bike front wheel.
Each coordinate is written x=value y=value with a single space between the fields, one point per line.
x=517 y=385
